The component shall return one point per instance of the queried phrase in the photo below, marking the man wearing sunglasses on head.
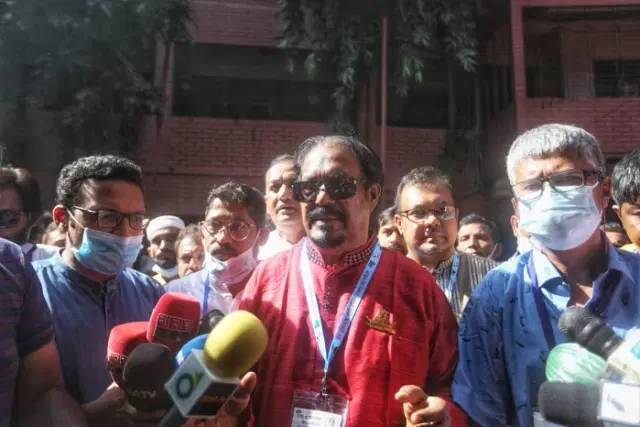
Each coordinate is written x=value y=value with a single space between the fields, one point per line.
x=560 y=194
x=231 y=234
x=89 y=286
x=428 y=219
x=360 y=335
x=20 y=210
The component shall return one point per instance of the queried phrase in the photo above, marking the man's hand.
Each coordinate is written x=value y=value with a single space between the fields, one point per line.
x=421 y=410
x=111 y=409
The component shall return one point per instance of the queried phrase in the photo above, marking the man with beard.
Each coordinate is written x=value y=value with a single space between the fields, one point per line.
x=388 y=233
x=20 y=210
x=387 y=323
x=282 y=208
x=190 y=251
x=162 y=233
x=231 y=233
x=427 y=218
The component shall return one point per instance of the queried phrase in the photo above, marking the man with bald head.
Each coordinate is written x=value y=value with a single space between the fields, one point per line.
x=349 y=322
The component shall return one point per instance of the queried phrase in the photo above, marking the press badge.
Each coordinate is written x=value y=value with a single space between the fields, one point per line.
x=316 y=410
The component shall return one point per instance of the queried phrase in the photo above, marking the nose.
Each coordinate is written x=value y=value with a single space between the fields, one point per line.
x=432 y=221
x=396 y=238
x=124 y=229
x=323 y=197
x=222 y=236
x=194 y=265
x=285 y=193
x=163 y=244
x=472 y=243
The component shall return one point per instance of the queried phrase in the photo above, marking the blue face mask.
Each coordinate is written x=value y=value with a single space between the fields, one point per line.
x=560 y=221
x=106 y=253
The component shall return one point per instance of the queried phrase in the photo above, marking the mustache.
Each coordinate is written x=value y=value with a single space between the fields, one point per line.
x=217 y=248
x=323 y=211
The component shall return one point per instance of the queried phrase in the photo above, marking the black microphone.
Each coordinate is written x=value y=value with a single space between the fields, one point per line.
x=148 y=368
x=209 y=321
x=570 y=404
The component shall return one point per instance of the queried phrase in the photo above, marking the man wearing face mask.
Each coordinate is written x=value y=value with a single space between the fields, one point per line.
x=560 y=194
x=162 y=233
x=231 y=234
x=89 y=286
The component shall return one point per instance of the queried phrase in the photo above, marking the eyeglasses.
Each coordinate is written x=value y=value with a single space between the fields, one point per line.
x=421 y=215
x=560 y=181
x=10 y=218
x=338 y=188
x=238 y=230
x=111 y=219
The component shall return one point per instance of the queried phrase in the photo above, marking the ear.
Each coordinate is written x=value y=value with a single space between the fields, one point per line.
x=61 y=217
x=398 y=221
x=498 y=252
x=606 y=192
x=514 y=203
x=149 y=251
x=263 y=236
x=616 y=209
x=375 y=192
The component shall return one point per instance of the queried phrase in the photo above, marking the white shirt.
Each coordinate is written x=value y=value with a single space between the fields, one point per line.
x=37 y=252
x=219 y=297
x=275 y=244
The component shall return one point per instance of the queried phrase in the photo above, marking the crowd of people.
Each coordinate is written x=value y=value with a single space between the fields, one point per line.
x=406 y=317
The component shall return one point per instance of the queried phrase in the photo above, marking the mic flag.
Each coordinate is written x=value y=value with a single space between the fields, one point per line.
x=123 y=339
x=174 y=320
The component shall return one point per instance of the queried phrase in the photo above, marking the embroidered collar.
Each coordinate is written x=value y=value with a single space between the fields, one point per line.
x=354 y=257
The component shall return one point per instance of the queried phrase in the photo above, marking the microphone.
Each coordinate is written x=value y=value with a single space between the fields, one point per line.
x=592 y=333
x=210 y=320
x=174 y=320
x=590 y=405
x=206 y=380
x=123 y=339
x=195 y=344
x=571 y=363
x=149 y=366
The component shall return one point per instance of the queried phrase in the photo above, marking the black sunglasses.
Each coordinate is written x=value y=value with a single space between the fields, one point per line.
x=10 y=218
x=338 y=188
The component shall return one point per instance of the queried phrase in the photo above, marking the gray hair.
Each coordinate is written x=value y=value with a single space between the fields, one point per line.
x=547 y=140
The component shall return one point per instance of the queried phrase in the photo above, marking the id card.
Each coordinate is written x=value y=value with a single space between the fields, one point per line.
x=314 y=410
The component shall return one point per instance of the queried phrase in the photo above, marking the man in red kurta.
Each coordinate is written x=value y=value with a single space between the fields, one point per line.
x=396 y=362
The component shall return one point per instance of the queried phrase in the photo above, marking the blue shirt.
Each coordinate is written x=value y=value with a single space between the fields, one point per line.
x=26 y=325
x=502 y=346
x=83 y=313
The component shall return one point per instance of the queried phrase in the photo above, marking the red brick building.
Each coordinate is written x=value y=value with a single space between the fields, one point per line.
x=232 y=106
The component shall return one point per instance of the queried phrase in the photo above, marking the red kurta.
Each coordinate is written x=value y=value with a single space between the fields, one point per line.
x=372 y=364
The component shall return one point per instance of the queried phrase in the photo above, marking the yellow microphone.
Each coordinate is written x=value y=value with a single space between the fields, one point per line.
x=208 y=378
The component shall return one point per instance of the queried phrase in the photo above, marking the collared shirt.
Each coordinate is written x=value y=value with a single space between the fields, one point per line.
x=219 y=298
x=630 y=247
x=404 y=332
x=471 y=270
x=503 y=349
x=275 y=244
x=26 y=325
x=84 y=311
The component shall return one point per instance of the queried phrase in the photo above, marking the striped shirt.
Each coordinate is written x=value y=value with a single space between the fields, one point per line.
x=26 y=325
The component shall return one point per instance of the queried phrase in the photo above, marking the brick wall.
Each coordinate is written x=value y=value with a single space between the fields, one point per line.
x=192 y=155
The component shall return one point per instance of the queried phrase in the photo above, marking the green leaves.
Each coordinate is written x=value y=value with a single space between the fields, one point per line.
x=348 y=34
x=92 y=60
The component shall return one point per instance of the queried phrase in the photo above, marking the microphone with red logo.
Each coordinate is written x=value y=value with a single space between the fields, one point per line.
x=123 y=339
x=174 y=320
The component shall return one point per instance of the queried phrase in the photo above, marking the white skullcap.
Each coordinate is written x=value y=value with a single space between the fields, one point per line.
x=164 y=221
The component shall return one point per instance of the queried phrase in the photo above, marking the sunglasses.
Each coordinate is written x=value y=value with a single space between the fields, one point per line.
x=338 y=188
x=10 y=218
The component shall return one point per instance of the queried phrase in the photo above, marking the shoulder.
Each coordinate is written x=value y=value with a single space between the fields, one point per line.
x=275 y=264
x=481 y=263
x=502 y=280
x=14 y=267
x=140 y=282
x=186 y=282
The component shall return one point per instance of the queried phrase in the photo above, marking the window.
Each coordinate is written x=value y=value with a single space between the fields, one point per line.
x=616 y=78
x=242 y=82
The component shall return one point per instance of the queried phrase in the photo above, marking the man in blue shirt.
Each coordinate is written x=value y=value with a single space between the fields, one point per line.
x=510 y=323
x=89 y=286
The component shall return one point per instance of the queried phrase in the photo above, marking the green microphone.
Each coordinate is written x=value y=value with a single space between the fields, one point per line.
x=572 y=363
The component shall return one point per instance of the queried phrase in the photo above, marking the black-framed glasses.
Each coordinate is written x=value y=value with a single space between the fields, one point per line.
x=106 y=218
x=237 y=229
x=562 y=182
x=10 y=218
x=337 y=187
x=421 y=215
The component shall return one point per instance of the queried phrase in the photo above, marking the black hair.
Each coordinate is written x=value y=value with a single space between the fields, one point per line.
x=28 y=189
x=98 y=168
x=474 y=218
x=281 y=158
x=613 y=226
x=191 y=231
x=386 y=216
x=243 y=195
x=370 y=164
x=626 y=178
x=424 y=175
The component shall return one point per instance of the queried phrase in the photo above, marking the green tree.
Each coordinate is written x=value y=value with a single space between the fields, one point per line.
x=91 y=61
x=347 y=34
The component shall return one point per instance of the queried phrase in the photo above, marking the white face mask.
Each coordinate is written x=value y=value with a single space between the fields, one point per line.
x=560 y=221
x=524 y=244
x=234 y=269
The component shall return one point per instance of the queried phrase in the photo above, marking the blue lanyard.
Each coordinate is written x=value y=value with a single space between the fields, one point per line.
x=451 y=290
x=349 y=311
x=541 y=306
x=205 y=299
